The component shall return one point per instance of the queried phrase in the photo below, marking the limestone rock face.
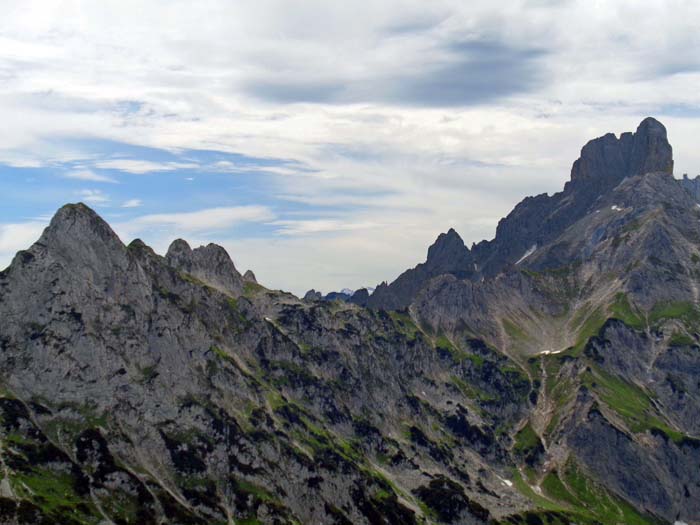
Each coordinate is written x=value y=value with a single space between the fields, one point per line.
x=604 y=163
x=313 y=295
x=147 y=389
x=692 y=186
x=548 y=376
x=448 y=255
x=608 y=159
x=360 y=297
x=211 y=264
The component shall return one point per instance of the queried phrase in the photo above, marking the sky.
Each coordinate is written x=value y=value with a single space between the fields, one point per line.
x=324 y=144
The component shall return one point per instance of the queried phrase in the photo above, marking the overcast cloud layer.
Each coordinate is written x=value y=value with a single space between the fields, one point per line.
x=325 y=144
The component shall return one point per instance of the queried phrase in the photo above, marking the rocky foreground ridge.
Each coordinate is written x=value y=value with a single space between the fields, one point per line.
x=550 y=376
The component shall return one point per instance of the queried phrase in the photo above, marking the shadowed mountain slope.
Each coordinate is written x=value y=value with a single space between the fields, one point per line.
x=536 y=221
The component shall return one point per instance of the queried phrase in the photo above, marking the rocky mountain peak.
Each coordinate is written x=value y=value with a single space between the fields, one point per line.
x=447 y=245
x=360 y=297
x=605 y=161
x=313 y=295
x=449 y=253
x=178 y=248
x=652 y=151
x=603 y=164
x=78 y=221
x=132 y=390
x=211 y=264
x=79 y=237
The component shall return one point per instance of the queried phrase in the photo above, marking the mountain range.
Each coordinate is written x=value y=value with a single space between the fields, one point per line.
x=548 y=376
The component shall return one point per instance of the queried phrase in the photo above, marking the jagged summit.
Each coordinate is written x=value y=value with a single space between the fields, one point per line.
x=448 y=252
x=210 y=263
x=561 y=389
x=603 y=164
x=652 y=152
x=605 y=161
x=80 y=238
x=178 y=248
x=313 y=295
x=78 y=221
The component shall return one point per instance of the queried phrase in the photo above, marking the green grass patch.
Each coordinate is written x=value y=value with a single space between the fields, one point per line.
x=575 y=498
x=404 y=324
x=587 y=324
x=218 y=352
x=471 y=392
x=559 y=390
x=251 y=289
x=193 y=280
x=526 y=490
x=55 y=494
x=242 y=486
x=232 y=304
x=681 y=339
x=445 y=347
x=629 y=401
x=515 y=333
x=684 y=311
x=622 y=309
x=528 y=445
x=526 y=439
x=554 y=488
x=598 y=503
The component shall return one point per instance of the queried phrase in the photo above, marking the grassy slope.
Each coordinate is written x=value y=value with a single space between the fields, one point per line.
x=567 y=495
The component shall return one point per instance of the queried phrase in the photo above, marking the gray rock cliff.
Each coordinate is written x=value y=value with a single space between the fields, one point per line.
x=549 y=376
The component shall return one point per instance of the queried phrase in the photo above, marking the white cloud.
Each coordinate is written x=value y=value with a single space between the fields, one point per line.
x=88 y=175
x=15 y=237
x=310 y=227
x=177 y=224
x=142 y=166
x=332 y=261
x=132 y=203
x=402 y=161
x=93 y=196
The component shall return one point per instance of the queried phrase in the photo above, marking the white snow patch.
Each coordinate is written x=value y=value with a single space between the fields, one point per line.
x=615 y=207
x=268 y=319
x=550 y=352
x=506 y=482
x=698 y=205
x=527 y=254
x=681 y=522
